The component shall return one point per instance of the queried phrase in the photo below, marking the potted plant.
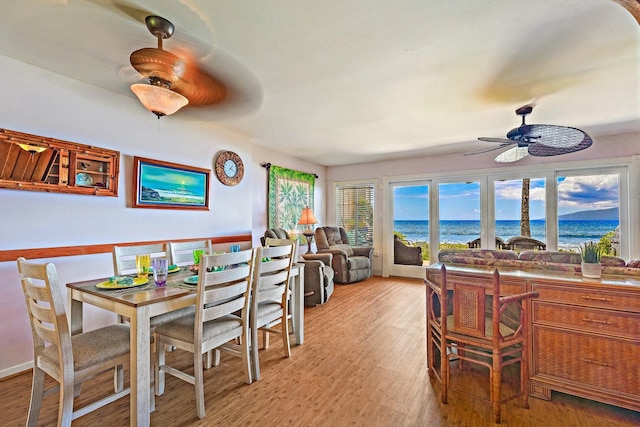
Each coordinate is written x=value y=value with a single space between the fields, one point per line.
x=591 y=254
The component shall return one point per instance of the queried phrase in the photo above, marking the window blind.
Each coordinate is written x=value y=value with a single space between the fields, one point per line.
x=354 y=212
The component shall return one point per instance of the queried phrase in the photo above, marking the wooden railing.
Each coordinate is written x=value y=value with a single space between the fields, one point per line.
x=60 y=251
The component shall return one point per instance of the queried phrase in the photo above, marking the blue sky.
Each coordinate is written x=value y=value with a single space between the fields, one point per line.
x=462 y=200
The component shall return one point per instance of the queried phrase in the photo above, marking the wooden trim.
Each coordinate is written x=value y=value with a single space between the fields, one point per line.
x=37 y=253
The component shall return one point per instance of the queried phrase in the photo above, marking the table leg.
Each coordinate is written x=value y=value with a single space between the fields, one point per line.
x=297 y=306
x=75 y=315
x=140 y=368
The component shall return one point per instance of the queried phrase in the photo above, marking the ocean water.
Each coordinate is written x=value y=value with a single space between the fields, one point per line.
x=570 y=233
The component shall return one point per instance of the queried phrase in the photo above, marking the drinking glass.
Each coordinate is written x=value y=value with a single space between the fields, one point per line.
x=143 y=264
x=160 y=271
x=197 y=254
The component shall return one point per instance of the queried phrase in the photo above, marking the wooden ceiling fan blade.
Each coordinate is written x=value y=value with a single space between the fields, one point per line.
x=512 y=155
x=547 y=60
x=199 y=87
x=633 y=6
x=121 y=7
x=186 y=78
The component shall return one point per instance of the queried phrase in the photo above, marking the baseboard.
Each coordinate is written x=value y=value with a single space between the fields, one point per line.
x=14 y=370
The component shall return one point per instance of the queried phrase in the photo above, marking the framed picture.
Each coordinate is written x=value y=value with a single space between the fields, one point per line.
x=164 y=185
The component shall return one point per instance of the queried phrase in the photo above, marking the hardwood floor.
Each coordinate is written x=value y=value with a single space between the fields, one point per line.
x=363 y=363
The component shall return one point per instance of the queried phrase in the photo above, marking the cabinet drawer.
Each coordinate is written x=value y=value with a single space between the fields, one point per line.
x=602 y=298
x=587 y=319
x=597 y=362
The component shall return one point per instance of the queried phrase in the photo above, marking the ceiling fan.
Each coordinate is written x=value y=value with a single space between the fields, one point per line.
x=537 y=140
x=173 y=81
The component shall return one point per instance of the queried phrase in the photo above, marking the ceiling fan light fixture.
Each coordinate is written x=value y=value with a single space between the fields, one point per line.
x=158 y=98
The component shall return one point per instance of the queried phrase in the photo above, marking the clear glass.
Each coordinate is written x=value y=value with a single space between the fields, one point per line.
x=589 y=211
x=411 y=216
x=197 y=254
x=459 y=215
x=520 y=212
x=143 y=265
x=160 y=271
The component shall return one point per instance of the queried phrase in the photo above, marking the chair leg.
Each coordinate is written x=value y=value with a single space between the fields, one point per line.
x=444 y=372
x=118 y=379
x=159 y=377
x=208 y=359
x=65 y=405
x=245 y=353
x=265 y=340
x=496 y=380
x=255 y=362
x=285 y=338
x=37 y=392
x=199 y=383
x=524 y=380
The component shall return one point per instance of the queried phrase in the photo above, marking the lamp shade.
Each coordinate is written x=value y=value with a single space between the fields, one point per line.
x=159 y=100
x=307 y=217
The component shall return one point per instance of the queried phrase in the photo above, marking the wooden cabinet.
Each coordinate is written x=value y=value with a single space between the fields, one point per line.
x=584 y=333
x=36 y=163
x=586 y=341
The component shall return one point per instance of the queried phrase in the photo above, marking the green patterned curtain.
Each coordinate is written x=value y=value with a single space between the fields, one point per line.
x=289 y=192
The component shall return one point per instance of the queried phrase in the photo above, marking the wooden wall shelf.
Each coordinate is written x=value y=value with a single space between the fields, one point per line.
x=63 y=166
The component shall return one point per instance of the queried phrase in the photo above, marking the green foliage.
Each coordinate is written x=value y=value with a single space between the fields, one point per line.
x=401 y=237
x=590 y=252
x=605 y=243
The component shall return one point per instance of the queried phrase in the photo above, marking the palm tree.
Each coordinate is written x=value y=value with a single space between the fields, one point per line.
x=525 y=224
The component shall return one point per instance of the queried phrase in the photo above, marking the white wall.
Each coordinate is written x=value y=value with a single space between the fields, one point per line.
x=42 y=103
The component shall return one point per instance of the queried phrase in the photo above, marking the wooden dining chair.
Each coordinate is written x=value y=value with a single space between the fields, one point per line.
x=124 y=262
x=221 y=316
x=479 y=325
x=68 y=359
x=181 y=253
x=124 y=257
x=270 y=296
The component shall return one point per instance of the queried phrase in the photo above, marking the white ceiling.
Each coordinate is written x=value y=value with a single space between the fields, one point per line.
x=337 y=82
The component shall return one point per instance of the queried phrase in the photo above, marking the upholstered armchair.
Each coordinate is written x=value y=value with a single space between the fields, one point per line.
x=318 y=273
x=350 y=263
x=407 y=255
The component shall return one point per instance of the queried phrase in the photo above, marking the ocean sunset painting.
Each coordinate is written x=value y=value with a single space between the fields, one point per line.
x=166 y=185
x=587 y=210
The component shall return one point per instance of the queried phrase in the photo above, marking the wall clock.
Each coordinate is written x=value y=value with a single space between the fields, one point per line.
x=229 y=168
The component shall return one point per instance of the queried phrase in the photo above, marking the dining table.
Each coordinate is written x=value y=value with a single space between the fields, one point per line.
x=139 y=304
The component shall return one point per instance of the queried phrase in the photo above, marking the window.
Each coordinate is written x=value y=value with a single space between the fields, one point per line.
x=459 y=216
x=589 y=210
x=354 y=212
x=411 y=215
x=566 y=208
x=520 y=211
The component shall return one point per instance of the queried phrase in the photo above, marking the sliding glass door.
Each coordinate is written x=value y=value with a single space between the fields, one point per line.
x=410 y=213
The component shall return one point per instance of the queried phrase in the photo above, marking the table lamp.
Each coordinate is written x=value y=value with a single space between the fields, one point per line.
x=308 y=218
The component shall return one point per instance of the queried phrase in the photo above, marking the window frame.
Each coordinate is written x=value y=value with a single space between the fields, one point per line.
x=627 y=168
